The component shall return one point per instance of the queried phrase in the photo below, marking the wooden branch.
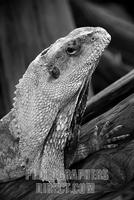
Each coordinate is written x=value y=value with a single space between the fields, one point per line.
x=122 y=113
x=110 y=69
x=118 y=161
x=109 y=97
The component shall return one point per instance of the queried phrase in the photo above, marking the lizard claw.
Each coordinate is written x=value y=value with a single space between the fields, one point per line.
x=115 y=129
x=110 y=146
x=104 y=139
x=117 y=138
x=104 y=128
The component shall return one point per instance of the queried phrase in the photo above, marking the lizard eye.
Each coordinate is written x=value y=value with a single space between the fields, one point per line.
x=55 y=72
x=73 y=48
x=93 y=38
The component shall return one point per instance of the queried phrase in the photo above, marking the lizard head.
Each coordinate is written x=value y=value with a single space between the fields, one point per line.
x=51 y=96
x=70 y=59
x=57 y=74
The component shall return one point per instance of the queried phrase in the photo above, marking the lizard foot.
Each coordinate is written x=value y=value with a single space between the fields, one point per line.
x=104 y=139
x=99 y=139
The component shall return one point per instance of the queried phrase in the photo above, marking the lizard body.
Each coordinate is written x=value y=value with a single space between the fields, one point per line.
x=48 y=105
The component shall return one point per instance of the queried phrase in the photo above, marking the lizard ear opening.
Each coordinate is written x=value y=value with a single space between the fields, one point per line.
x=55 y=72
x=44 y=51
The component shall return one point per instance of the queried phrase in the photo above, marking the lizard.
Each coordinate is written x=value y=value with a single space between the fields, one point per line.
x=49 y=103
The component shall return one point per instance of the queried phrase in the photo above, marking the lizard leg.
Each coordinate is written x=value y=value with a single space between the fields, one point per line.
x=106 y=139
x=99 y=139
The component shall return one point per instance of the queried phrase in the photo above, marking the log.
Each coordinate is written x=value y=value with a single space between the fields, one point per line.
x=109 y=97
x=110 y=69
x=118 y=161
x=121 y=114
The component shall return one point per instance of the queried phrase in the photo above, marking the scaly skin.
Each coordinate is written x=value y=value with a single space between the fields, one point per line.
x=34 y=134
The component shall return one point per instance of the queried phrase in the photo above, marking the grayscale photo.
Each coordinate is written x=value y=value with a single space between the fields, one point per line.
x=66 y=100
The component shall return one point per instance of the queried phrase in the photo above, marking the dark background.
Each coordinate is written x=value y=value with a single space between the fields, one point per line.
x=29 y=26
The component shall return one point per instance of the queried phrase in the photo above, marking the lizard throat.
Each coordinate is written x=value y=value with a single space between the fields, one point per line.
x=64 y=133
x=80 y=106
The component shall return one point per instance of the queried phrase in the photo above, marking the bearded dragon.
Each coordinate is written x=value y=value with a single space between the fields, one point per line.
x=49 y=102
